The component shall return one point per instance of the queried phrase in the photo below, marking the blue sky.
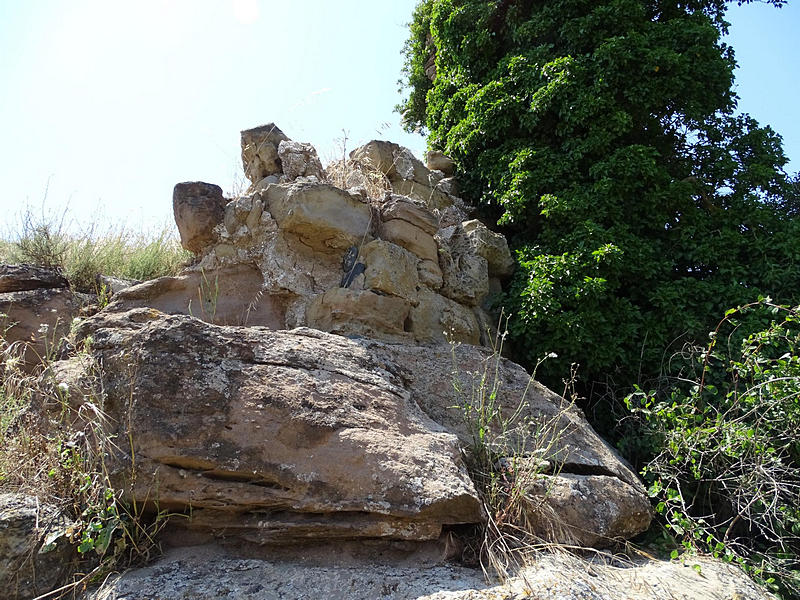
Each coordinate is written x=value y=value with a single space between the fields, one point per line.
x=107 y=104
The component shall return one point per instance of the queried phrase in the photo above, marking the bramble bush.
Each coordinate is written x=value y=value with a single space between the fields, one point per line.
x=726 y=475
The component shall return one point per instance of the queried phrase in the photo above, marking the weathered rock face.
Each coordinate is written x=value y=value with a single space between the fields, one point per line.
x=34 y=551
x=21 y=278
x=298 y=434
x=300 y=160
x=438 y=161
x=333 y=259
x=38 y=314
x=260 y=151
x=275 y=435
x=295 y=435
x=198 y=208
x=201 y=573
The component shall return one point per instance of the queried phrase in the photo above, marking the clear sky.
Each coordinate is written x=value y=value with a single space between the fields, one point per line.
x=107 y=104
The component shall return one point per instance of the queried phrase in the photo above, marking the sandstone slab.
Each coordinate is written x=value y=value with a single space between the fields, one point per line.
x=412 y=238
x=391 y=270
x=275 y=436
x=323 y=216
x=359 y=312
x=228 y=295
x=407 y=209
x=21 y=278
x=437 y=319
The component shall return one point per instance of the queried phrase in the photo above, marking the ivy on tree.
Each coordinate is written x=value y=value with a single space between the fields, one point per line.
x=603 y=137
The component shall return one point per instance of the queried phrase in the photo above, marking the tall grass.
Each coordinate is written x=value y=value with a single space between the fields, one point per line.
x=83 y=253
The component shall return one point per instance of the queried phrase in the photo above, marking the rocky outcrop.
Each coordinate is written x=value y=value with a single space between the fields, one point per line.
x=312 y=379
x=275 y=436
x=285 y=436
x=34 y=547
x=337 y=260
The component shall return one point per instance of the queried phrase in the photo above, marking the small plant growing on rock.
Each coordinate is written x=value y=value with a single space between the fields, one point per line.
x=509 y=450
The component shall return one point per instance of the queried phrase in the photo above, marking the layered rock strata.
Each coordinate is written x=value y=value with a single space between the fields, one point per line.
x=418 y=270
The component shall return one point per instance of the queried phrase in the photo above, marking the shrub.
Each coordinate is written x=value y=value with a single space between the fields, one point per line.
x=726 y=475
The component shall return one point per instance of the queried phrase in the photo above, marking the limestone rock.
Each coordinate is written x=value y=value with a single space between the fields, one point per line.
x=275 y=436
x=238 y=212
x=21 y=278
x=436 y=319
x=391 y=269
x=431 y=196
x=438 y=161
x=324 y=217
x=114 y=285
x=359 y=312
x=406 y=174
x=465 y=270
x=198 y=208
x=491 y=246
x=34 y=548
x=300 y=160
x=585 y=510
x=260 y=151
x=406 y=209
x=430 y=273
x=378 y=155
x=465 y=277
x=412 y=238
x=448 y=185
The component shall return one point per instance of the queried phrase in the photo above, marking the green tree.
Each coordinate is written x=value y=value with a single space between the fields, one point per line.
x=603 y=137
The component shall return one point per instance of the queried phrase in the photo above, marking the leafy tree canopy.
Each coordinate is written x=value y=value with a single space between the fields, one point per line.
x=603 y=136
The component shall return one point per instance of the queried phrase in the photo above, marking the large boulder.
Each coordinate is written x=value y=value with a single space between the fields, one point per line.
x=274 y=437
x=198 y=207
x=283 y=436
x=35 y=551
